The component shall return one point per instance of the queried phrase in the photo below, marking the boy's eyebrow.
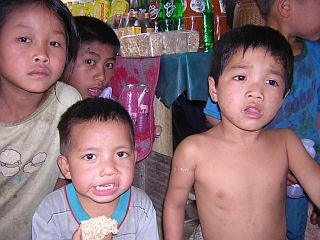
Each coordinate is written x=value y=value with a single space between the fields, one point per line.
x=246 y=66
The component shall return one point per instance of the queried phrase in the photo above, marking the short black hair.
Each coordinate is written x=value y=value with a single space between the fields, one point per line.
x=91 y=29
x=253 y=36
x=91 y=109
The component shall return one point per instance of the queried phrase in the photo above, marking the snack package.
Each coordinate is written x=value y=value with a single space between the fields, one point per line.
x=98 y=227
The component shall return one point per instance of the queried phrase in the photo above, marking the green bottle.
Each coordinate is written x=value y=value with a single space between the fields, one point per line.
x=208 y=26
x=177 y=16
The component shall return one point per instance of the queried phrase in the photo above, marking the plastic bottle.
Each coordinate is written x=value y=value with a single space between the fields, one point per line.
x=142 y=123
x=119 y=7
x=89 y=8
x=166 y=9
x=295 y=190
x=220 y=19
x=177 y=16
x=192 y=19
x=208 y=26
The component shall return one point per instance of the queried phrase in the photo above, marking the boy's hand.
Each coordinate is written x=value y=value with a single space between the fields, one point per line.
x=291 y=179
x=77 y=234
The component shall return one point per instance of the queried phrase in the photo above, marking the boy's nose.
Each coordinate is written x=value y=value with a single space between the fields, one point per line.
x=41 y=58
x=255 y=94
x=108 y=168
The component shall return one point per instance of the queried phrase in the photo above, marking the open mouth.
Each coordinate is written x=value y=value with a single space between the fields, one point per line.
x=95 y=92
x=105 y=187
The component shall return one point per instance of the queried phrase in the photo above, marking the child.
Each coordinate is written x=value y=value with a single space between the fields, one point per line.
x=238 y=169
x=98 y=155
x=296 y=20
x=93 y=69
x=37 y=39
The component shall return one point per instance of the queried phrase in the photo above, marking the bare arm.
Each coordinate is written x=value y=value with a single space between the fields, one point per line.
x=318 y=120
x=304 y=168
x=181 y=181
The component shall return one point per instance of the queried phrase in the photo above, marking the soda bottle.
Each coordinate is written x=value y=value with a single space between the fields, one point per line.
x=146 y=23
x=133 y=5
x=142 y=6
x=165 y=15
x=177 y=16
x=192 y=19
x=220 y=19
x=208 y=24
x=153 y=13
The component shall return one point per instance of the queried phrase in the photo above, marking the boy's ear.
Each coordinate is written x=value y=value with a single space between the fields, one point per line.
x=284 y=8
x=212 y=89
x=64 y=166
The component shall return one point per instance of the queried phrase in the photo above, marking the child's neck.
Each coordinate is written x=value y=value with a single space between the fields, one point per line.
x=14 y=107
x=95 y=210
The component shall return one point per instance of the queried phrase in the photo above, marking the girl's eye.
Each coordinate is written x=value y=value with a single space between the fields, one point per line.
x=24 y=39
x=90 y=157
x=272 y=83
x=239 y=78
x=109 y=65
x=90 y=62
x=122 y=154
x=55 y=44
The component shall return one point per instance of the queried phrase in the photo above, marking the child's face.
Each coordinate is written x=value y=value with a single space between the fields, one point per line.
x=32 y=50
x=250 y=89
x=305 y=19
x=93 y=69
x=100 y=161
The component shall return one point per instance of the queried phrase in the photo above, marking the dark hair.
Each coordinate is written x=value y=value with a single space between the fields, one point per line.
x=265 y=7
x=252 y=36
x=92 y=29
x=58 y=8
x=91 y=109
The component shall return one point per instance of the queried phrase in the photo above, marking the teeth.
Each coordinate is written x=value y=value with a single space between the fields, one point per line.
x=104 y=188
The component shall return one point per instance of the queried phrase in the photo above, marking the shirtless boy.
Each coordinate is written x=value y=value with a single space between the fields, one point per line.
x=238 y=169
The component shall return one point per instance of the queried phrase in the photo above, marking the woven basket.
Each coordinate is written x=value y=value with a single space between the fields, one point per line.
x=247 y=12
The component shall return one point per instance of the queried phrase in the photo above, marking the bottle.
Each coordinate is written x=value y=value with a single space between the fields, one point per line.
x=166 y=9
x=208 y=24
x=75 y=8
x=220 y=19
x=142 y=123
x=81 y=8
x=142 y=6
x=295 y=190
x=135 y=22
x=146 y=23
x=133 y=5
x=119 y=7
x=177 y=16
x=88 y=8
x=123 y=24
x=192 y=19
x=153 y=13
